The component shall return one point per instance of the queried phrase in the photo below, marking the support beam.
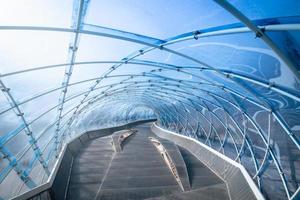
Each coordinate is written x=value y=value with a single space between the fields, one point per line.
x=79 y=12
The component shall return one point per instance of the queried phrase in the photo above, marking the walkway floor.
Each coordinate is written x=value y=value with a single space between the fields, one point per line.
x=138 y=172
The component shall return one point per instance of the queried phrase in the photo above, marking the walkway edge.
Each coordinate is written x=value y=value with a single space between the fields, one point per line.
x=74 y=143
x=239 y=182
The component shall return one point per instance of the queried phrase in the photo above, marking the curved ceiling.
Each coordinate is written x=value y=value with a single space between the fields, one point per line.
x=225 y=73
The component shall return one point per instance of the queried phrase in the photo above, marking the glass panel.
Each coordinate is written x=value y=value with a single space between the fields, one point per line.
x=27 y=85
x=139 y=17
x=3 y=164
x=289 y=44
x=31 y=49
x=75 y=90
x=39 y=126
x=26 y=162
x=240 y=53
x=9 y=122
x=287 y=155
x=272 y=186
x=229 y=148
x=264 y=9
x=37 y=173
x=133 y=69
x=49 y=155
x=291 y=117
x=43 y=104
x=46 y=136
x=162 y=56
x=17 y=144
x=3 y=102
x=36 y=13
x=272 y=97
x=11 y=180
x=104 y=48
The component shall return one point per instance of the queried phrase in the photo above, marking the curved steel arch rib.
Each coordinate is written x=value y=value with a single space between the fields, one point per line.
x=173 y=80
x=184 y=56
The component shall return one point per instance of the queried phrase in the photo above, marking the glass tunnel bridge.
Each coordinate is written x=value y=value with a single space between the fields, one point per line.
x=229 y=81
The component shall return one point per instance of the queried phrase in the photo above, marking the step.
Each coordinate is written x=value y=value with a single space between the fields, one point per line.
x=199 y=174
x=137 y=193
x=216 y=192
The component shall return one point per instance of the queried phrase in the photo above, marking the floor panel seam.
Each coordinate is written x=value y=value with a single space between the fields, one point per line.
x=105 y=175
